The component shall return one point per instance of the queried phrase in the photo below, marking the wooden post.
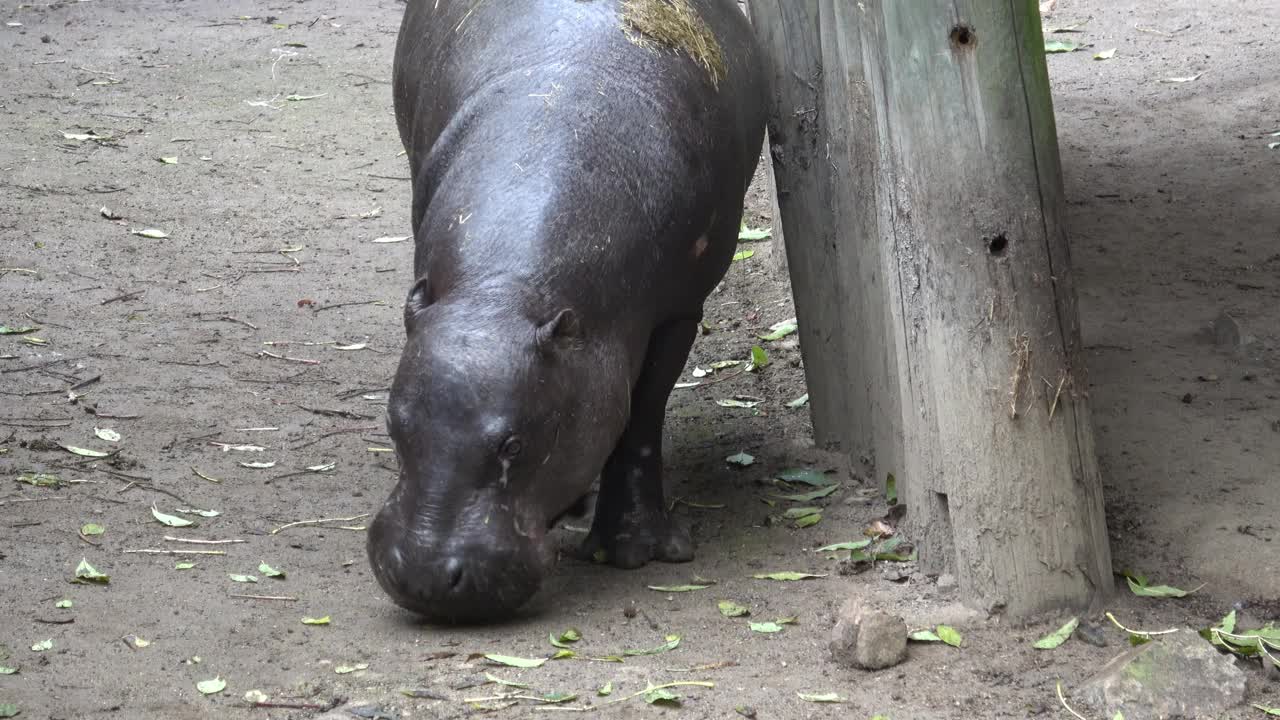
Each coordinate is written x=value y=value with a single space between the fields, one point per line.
x=917 y=166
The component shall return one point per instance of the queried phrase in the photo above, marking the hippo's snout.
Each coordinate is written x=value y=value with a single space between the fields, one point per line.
x=455 y=580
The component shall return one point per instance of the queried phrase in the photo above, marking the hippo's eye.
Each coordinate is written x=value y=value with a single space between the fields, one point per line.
x=511 y=448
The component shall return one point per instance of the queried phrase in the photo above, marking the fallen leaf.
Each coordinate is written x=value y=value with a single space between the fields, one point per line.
x=1105 y=54
x=136 y=642
x=8 y=710
x=855 y=545
x=562 y=640
x=805 y=476
x=270 y=572
x=677 y=588
x=63 y=604
x=924 y=636
x=108 y=213
x=672 y=642
x=258 y=465
x=153 y=233
x=740 y=459
x=201 y=513
x=780 y=330
x=346 y=669
x=821 y=698
x=606 y=689
x=787 y=576
x=211 y=687
x=735 y=402
x=85 y=452
x=1060 y=46
x=743 y=255
x=1263 y=708
x=891 y=490
x=1187 y=79
x=950 y=635
x=92 y=529
x=6 y=330
x=518 y=662
x=356 y=346
x=42 y=645
x=6 y=670
x=316 y=621
x=807 y=521
x=170 y=520
x=1057 y=637
x=242 y=578
x=661 y=695
x=85 y=573
x=391 y=239
x=746 y=234
x=1138 y=585
x=168 y=160
x=799 y=402
x=759 y=358
x=183 y=565
x=256 y=697
x=810 y=496
x=299 y=98
x=40 y=479
x=765 y=627
x=731 y=609
x=107 y=434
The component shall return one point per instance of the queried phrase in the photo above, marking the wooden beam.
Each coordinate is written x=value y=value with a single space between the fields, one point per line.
x=917 y=166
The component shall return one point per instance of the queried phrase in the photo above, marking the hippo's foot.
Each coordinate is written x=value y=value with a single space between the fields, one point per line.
x=629 y=540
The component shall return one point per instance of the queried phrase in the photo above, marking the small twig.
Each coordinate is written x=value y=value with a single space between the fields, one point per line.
x=84 y=383
x=37 y=499
x=300 y=705
x=632 y=696
x=154 y=551
x=1022 y=349
x=387 y=177
x=194 y=541
x=331 y=433
x=1056 y=394
x=348 y=304
x=82 y=537
x=246 y=323
x=283 y=598
x=320 y=521
x=51 y=363
x=202 y=475
x=127 y=296
x=1063 y=700
x=304 y=361
x=64 y=621
x=336 y=413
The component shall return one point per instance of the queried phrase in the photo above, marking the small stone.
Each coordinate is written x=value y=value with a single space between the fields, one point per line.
x=866 y=638
x=1178 y=675
x=1226 y=332
x=1092 y=634
x=746 y=711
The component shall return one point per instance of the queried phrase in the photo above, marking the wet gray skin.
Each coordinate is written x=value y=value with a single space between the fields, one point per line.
x=576 y=196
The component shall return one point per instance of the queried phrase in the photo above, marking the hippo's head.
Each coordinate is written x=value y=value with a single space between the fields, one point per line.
x=498 y=425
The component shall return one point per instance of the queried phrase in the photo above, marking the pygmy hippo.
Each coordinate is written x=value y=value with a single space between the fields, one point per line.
x=579 y=169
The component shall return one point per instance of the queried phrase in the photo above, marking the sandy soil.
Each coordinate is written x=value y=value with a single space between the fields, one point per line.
x=235 y=322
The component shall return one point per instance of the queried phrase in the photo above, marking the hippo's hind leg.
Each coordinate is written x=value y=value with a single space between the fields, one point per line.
x=631 y=522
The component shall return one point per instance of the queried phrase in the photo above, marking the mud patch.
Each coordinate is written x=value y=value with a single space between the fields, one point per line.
x=676 y=25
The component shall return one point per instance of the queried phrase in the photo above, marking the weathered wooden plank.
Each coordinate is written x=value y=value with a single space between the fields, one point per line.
x=917 y=163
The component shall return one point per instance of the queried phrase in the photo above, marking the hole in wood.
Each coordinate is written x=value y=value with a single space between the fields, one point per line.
x=963 y=37
x=997 y=244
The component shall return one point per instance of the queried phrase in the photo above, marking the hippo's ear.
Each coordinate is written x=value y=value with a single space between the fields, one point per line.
x=419 y=299
x=558 y=331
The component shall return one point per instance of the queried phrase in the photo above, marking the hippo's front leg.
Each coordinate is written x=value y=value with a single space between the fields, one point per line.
x=631 y=522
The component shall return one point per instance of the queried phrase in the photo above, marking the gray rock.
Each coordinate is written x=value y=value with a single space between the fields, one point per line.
x=867 y=638
x=1174 y=676
x=947 y=582
x=1226 y=331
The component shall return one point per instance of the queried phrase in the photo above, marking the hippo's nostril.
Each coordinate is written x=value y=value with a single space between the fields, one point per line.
x=453 y=571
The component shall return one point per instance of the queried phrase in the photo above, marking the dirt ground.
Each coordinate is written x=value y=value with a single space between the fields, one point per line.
x=231 y=331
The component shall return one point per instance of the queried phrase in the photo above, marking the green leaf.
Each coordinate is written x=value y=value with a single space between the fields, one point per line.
x=821 y=698
x=741 y=459
x=661 y=695
x=168 y=160
x=765 y=627
x=672 y=642
x=1267 y=710
x=806 y=476
x=855 y=545
x=40 y=479
x=924 y=636
x=517 y=662
x=557 y=697
x=800 y=512
x=1156 y=591
x=606 y=689
x=1060 y=46
x=759 y=358
x=787 y=576
x=92 y=529
x=85 y=452
x=242 y=578
x=799 y=402
x=810 y=496
x=316 y=621
x=7 y=670
x=808 y=521
x=571 y=635
x=42 y=645
x=780 y=330
x=63 y=604
x=183 y=565
x=737 y=402
x=891 y=490
x=729 y=608
x=8 y=710
x=722 y=364
x=153 y=233
x=743 y=255
x=950 y=635
x=170 y=520
x=677 y=588
x=746 y=234
x=17 y=330
x=270 y=572
x=347 y=669
x=1105 y=54
x=507 y=683
x=1059 y=636
x=211 y=687
x=86 y=574
x=564 y=654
